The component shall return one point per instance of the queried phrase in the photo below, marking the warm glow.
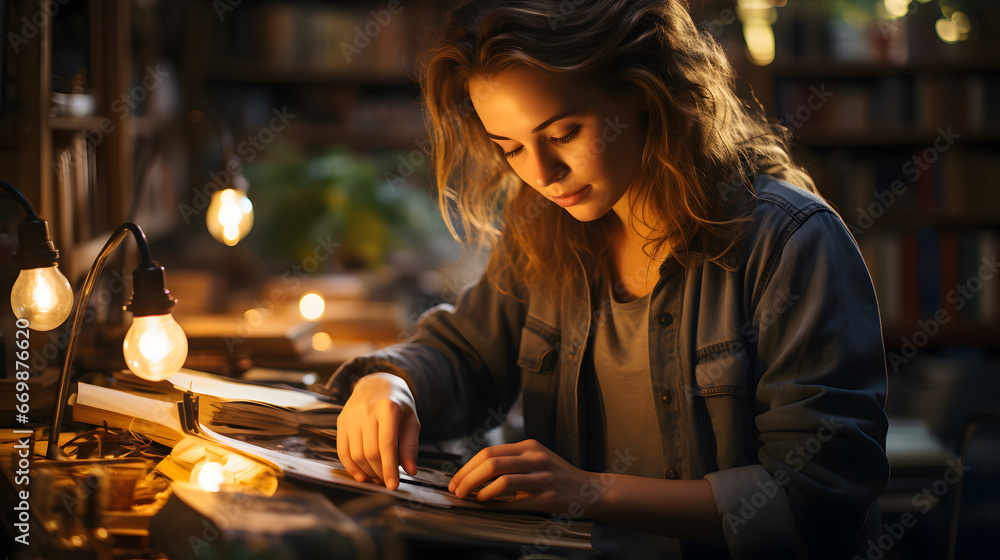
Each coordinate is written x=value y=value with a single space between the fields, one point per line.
x=253 y=317
x=155 y=347
x=321 y=342
x=896 y=9
x=311 y=306
x=760 y=43
x=43 y=297
x=757 y=17
x=208 y=475
x=955 y=26
x=230 y=216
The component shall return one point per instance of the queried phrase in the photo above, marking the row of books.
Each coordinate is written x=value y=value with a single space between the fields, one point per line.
x=941 y=275
x=921 y=100
x=865 y=33
x=910 y=184
x=348 y=37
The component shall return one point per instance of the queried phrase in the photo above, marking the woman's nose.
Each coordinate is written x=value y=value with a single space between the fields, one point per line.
x=549 y=169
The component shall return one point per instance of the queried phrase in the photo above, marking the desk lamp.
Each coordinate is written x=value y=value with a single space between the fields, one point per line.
x=155 y=347
x=41 y=294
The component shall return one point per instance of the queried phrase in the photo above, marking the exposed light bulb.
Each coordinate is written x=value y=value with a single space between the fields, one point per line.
x=208 y=475
x=230 y=216
x=312 y=306
x=43 y=297
x=155 y=347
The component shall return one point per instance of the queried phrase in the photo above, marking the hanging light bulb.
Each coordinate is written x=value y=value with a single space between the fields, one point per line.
x=43 y=297
x=230 y=216
x=155 y=347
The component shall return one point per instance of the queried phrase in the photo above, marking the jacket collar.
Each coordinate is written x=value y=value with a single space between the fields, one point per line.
x=732 y=260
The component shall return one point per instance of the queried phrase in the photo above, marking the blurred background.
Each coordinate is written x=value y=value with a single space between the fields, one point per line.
x=144 y=110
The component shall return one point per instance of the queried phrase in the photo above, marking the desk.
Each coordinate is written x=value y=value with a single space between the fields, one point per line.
x=336 y=521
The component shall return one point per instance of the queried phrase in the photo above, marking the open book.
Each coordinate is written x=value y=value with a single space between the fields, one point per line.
x=306 y=455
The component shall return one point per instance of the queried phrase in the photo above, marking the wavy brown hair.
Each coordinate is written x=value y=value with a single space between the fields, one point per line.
x=702 y=149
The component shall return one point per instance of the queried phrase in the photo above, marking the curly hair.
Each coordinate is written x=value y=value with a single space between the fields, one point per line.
x=702 y=148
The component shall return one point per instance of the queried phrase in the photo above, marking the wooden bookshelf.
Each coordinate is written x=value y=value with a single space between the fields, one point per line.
x=879 y=123
x=347 y=87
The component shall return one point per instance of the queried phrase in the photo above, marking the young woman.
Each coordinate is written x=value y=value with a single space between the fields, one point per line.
x=689 y=328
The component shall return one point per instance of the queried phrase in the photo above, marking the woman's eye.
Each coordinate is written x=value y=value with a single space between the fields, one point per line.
x=513 y=153
x=573 y=134
x=561 y=140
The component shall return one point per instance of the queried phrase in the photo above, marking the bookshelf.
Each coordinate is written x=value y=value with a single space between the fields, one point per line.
x=901 y=133
x=347 y=70
x=79 y=167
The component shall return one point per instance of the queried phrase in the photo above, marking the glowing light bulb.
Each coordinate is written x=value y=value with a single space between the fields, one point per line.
x=208 y=475
x=43 y=297
x=321 y=342
x=155 y=347
x=311 y=306
x=230 y=216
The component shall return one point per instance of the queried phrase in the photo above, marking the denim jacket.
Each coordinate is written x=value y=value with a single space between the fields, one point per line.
x=767 y=369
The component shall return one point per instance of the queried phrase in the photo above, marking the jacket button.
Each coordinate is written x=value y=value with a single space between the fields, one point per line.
x=671 y=474
x=665 y=319
x=667 y=397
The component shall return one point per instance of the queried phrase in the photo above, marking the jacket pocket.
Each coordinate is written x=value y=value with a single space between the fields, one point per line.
x=722 y=369
x=539 y=350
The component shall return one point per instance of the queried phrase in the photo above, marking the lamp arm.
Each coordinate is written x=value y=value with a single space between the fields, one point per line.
x=53 y=452
x=21 y=199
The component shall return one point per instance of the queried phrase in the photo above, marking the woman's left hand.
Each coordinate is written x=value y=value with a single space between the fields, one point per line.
x=551 y=484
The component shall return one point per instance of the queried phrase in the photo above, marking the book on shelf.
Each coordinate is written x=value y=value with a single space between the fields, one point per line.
x=935 y=273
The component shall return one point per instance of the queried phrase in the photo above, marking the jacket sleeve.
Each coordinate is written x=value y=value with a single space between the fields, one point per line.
x=459 y=364
x=821 y=384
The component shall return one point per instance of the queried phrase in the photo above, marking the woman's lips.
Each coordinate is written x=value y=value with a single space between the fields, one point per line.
x=570 y=200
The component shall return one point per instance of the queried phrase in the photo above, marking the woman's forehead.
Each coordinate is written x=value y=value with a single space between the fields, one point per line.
x=516 y=99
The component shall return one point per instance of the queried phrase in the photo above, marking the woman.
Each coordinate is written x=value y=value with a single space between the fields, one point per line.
x=690 y=328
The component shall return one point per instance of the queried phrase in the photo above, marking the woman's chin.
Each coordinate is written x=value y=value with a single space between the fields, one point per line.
x=584 y=214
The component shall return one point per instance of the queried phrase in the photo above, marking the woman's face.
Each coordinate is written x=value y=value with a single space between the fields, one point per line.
x=576 y=145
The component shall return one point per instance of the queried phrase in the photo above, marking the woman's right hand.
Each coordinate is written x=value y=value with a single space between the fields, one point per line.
x=378 y=429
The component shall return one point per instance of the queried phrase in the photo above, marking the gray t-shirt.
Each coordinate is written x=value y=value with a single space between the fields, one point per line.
x=619 y=353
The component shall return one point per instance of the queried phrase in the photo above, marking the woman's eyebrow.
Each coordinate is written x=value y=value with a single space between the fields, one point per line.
x=541 y=126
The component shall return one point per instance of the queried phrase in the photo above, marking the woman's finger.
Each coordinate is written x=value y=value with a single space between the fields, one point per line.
x=509 y=484
x=388 y=444
x=504 y=450
x=344 y=453
x=358 y=453
x=373 y=457
x=409 y=436
x=492 y=468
